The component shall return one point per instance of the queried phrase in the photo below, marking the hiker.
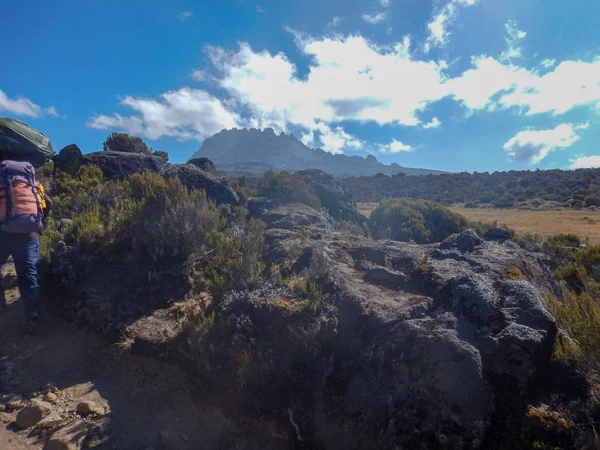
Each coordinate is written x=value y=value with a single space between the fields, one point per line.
x=23 y=209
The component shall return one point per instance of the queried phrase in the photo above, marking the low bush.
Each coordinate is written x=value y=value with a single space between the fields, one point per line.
x=289 y=187
x=420 y=221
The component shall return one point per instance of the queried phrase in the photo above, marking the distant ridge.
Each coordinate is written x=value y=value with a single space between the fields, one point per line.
x=251 y=152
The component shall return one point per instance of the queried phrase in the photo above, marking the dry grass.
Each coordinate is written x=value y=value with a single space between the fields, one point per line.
x=583 y=223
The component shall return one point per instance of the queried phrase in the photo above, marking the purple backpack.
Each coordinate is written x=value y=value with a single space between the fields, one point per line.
x=20 y=198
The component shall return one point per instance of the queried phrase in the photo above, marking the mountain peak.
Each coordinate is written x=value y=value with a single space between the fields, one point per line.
x=231 y=148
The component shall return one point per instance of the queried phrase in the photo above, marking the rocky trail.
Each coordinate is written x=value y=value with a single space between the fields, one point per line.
x=96 y=395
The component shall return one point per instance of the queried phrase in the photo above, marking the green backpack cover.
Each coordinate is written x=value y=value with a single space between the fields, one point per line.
x=20 y=142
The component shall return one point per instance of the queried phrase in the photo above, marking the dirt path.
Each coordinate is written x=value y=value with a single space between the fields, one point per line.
x=148 y=404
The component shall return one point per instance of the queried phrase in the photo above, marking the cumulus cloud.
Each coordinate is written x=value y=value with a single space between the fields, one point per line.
x=349 y=78
x=395 y=147
x=532 y=146
x=185 y=15
x=585 y=162
x=439 y=27
x=384 y=3
x=374 y=19
x=183 y=114
x=21 y=106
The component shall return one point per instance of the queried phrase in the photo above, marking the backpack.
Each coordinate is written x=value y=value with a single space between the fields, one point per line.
x=21 y=198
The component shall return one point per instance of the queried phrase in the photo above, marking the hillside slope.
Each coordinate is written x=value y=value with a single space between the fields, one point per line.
x=232 y=150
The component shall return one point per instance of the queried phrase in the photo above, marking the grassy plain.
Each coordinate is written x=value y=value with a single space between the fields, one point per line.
x=583 y=223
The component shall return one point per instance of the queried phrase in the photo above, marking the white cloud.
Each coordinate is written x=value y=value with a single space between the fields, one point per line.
x=512 y=41
x=260 y=9
x=585 y=162
x=395 y=147
x=533 y=146
x=200 y=75
x=439 y=27
x=435 y=123
x=21 y=106
x=374 y=19
x=185 y=15
x=334 y=22
x=384 y=3
x=183 y=114
x=548 y=63
x=349 y=78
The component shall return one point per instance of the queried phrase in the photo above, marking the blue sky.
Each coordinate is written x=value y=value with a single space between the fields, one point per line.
x=459 y=85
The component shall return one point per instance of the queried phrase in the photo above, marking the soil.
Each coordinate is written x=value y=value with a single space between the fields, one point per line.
x=148 y=403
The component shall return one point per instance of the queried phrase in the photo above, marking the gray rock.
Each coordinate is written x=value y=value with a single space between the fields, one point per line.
x=333 y=196
x=476 y=298
x=120 y=165
x=33 y=413
x=294 y=216
x=205 y=164
x=497 y=233
x=468 y=240
x=525 y=305
x=216 y=188
x=69 y=159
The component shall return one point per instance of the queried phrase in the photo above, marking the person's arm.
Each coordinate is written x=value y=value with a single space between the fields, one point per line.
x=48 y=201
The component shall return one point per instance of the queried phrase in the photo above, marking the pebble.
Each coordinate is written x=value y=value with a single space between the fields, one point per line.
x=185 y=438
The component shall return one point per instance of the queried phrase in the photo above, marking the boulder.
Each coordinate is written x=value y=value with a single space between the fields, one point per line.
x=69 y=159
x=33 y=413
x=216 y=188
x=498 y=233
x=332 y=194
x=120 y=165
x=205 y=164
x=287 y=216
x=89 y=407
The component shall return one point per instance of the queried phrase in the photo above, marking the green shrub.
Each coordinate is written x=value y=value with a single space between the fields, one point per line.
x=589 y=257
x=288 y=187
x=420 y=221
x=592 y=200
x=123 y=142
x=162 y=155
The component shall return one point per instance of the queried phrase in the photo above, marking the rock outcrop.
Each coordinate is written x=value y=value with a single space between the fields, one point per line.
x=332 y=195
x=217 y=188
x=120 y=165
x=406 y=346
x=205 y=164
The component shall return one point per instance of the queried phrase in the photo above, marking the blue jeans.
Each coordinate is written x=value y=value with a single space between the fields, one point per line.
x=25 y=250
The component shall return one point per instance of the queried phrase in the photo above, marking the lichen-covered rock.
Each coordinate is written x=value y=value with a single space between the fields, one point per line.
x=403 y=346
